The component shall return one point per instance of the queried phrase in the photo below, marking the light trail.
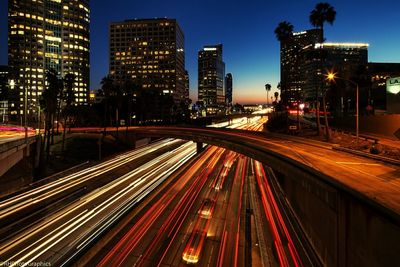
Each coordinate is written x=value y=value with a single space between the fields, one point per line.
x=131 y=239
x=92 y=222
x=276 y=221
x=231 y=227
x=25 y=200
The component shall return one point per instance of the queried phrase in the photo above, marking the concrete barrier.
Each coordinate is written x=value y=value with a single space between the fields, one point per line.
x=13 y=152
x=385 y=125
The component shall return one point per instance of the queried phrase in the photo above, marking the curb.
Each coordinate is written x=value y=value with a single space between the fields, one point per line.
x=363 y=154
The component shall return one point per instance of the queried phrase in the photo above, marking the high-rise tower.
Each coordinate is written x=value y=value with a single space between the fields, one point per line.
x=43 y=35
x=150 y=53
x=211 y=76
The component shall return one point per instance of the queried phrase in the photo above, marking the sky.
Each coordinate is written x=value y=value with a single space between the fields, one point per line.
x=246 y=30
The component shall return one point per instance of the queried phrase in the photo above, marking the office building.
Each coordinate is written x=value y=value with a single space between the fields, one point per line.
x=211 y=77
x=337 y=57
x=228 y=89
x=43 y=35
x=4 y=89
x=290 y=59
x=187 y=85
x=347 y=60
x=149 y=53
x=4 y=85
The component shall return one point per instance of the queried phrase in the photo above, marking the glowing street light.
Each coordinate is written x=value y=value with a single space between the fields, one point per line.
x=331 y=77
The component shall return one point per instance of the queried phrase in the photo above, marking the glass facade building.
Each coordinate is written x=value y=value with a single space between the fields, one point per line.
x=4 y=91
x=187 y=84
x=150 y=53
x=345 y=59
x=348 y=61
x=43 y=35
x=291 y=61
x=4 y=88
x=211 y=76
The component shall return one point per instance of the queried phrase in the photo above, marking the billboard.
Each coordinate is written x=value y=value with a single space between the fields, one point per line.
x=393 y=95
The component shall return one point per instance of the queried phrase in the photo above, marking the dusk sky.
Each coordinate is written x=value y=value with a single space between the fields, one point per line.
x=246 y=29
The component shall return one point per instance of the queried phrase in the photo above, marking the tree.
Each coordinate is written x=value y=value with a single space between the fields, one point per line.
x=49 y=104
x=323 y=12
x=276 y=95
x=68 y=97
x=283 y=32
x=107 y=84
x=130 y=90
x=267 y=88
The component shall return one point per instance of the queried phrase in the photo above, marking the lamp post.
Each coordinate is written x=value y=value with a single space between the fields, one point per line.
x=25 y=113
x=331 y=77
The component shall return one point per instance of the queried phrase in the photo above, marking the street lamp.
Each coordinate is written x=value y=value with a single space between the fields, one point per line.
x=331 y=77
x=25 y=112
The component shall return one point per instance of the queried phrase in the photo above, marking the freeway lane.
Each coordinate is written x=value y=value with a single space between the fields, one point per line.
x=163 y=217
x=65 y=233
x=377 y=181
x=229 y=248
x=199 y=219
x=25 y=203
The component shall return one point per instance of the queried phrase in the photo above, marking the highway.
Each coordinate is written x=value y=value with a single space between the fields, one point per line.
x=163 y=206
x=374 y=179
x=60 y=219
x=199 y=219
x=13 y=133
x=61 y=234
x=37 y=197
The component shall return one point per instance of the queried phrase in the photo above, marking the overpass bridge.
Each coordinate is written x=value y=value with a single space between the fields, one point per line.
x=350 y=216
x=13 y=151
x=203 y=121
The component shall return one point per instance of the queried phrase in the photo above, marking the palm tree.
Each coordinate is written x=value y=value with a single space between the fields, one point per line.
x=283 y=32
x=68 y=97
x=129 y=90
x=276 y=95
x=267 y=88
x=49 y=104
x=323 y=12
x=107 y=84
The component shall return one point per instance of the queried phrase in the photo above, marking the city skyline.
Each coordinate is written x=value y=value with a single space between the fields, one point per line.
x=252 y=52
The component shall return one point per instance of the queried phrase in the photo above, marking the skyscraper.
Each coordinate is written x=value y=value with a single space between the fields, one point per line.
x=341 y=58
x=43 y=35
x=150 y=53
x=3 y=82
x=211 y=70
x=228 y=89
x=4 y=91
x=291 y=79
x=187 y=84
